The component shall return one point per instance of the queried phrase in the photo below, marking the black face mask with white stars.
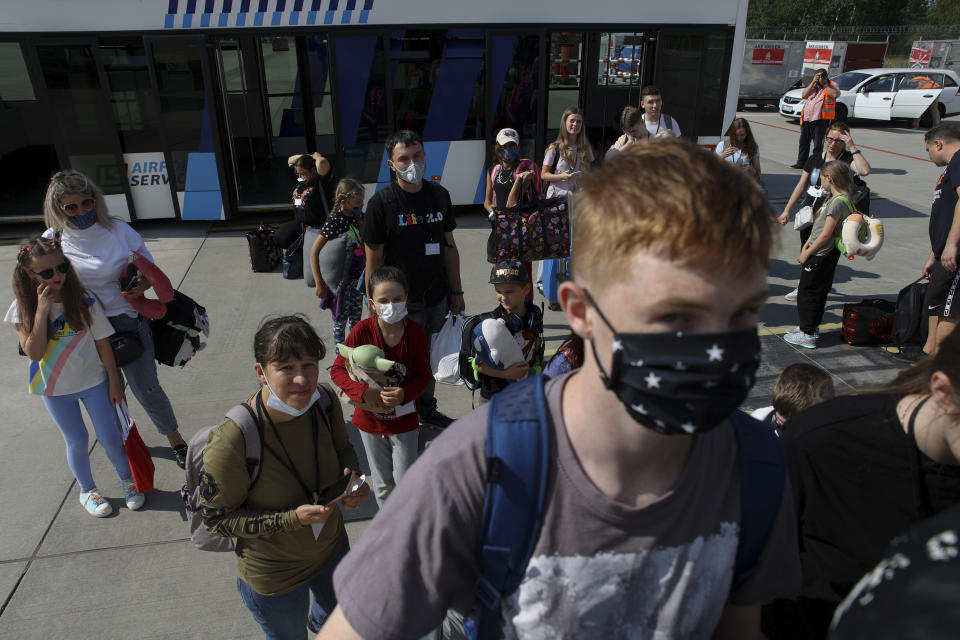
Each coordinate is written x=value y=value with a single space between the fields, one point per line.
x=676 y=383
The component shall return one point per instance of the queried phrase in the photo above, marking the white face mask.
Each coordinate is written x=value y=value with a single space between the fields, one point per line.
x=275 y=403
x=393 y=312
x=412 y=173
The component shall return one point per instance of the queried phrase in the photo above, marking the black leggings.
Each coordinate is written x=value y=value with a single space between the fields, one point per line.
x=816 y=278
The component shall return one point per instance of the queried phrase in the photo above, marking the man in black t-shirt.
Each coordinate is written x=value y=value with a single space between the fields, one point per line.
x=942 y=144
x=409 y=224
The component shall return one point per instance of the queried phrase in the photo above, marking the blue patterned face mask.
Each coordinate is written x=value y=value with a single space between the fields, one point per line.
x=84 y=220
x=509 y=154
x=679 y=383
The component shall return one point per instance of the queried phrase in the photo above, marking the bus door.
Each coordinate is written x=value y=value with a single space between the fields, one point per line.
x=617 y=67
x=275 y=102
x=83 y=123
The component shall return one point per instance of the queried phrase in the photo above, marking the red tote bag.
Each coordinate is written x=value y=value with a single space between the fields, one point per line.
x=141 y=464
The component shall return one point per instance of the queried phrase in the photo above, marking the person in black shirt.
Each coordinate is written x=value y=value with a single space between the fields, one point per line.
x=409 y=224
x=863 y=468
x=312 y=197
x=942 y=144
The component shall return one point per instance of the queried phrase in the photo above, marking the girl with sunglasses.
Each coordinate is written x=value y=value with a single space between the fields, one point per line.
x=99 y=248
x=63 y=330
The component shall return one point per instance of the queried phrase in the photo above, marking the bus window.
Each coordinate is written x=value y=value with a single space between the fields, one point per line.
x=620 y=59
x=515 y=77
x=362 y=100
x=438 y=82
x=566 y=80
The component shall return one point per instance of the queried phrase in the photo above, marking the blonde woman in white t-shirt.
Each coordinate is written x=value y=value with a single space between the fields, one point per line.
x=63 y=331
x=568 y=156
x=99 y=248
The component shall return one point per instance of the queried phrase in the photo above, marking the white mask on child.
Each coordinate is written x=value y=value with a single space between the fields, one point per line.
x=393 y=312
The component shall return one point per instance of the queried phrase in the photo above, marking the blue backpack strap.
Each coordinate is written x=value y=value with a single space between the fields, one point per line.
x=763 y=476
x=518 y=460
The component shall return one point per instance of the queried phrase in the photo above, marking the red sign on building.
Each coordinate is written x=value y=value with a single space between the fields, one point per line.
x=919 y=57
x=768 y=56
x=817 y=56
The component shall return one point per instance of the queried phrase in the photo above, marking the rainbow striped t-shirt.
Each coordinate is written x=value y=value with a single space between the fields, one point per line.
x=70 y=362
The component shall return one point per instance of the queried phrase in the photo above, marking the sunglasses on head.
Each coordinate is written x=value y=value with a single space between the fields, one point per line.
x=86 y=204
x=47 y=274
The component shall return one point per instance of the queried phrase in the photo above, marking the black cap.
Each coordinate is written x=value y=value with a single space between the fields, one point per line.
x=509 y=271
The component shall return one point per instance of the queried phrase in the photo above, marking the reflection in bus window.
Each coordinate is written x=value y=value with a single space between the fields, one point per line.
x=620 y=59
x=515 y=78
x=438 y=82
x=566 y=56
x=361 y=99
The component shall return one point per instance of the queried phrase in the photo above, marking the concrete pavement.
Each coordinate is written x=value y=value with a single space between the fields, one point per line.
x=64 y=574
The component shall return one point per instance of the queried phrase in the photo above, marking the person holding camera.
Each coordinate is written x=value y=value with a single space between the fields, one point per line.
x=819 y=111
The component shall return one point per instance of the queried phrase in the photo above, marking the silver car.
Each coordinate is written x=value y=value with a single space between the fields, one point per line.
x=923 y=96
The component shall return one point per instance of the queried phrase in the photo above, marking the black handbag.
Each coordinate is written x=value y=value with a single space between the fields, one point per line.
x=127 y=347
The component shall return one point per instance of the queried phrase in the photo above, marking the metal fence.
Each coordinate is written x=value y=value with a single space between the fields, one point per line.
x=899 y=38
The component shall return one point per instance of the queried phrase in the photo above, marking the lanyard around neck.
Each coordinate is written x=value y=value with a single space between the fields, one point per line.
x=288 y=463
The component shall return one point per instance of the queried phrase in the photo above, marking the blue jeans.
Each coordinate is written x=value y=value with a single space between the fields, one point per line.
x=141 y=375
x=65 y=411
x=284 y=617
x=431 y=319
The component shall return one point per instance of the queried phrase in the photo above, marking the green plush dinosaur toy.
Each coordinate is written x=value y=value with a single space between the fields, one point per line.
x=368 y=356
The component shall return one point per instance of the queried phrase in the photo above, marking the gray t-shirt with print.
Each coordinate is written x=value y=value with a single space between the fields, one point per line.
x=837 y=208
x=600 y=569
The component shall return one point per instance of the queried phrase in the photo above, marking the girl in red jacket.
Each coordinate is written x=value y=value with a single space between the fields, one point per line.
x=389 y=429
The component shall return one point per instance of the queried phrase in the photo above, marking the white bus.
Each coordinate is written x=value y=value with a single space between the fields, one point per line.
x=189 y=109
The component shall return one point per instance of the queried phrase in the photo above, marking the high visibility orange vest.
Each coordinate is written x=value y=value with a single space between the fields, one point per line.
x=829 y=109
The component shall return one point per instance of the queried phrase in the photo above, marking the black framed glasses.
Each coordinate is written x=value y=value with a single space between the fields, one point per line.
x=47 y=274
x=73 y=207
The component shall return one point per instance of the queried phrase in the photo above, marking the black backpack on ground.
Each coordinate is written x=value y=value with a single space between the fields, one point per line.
x=867 y=322
x=910 y=318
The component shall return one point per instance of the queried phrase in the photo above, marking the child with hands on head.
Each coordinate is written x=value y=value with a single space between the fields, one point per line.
x=390 y=432
x=337 y=258
x=64 y=332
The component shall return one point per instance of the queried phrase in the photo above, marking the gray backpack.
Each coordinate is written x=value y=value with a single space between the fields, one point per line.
x=243 y=416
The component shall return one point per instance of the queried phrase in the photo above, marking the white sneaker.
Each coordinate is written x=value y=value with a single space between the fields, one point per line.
x=131 y=496
x=94 y=503
x=792 y=295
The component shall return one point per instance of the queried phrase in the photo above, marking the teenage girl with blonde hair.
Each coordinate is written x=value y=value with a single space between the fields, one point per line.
x=569 y=155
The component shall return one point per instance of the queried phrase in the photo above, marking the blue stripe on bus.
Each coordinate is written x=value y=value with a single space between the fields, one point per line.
x=328 y=17
x=315 y=5
x=275 y=20
x=453 y=91
x=263 y=6
x=227 y=6
x=168 y=21
x=351 y=5
x=436 y=153
x=258 y=19
x=311 y=17
x=334 y=5
x=191 y=6
x=223 y=19
x=187 y=20
x=367 y=5
x=364 y=16
x=205 y=20
x=208 y=7
x=172 y=7
x=241 y=19
x=294 y=17
x=353 y=53
x=298 y=5
x=345 y=17
x=281 y=6
x=244 y=6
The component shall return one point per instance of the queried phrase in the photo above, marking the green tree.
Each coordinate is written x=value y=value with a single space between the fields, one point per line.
x=944 y=12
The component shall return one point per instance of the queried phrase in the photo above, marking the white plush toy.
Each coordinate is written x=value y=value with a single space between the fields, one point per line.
x=496 y=346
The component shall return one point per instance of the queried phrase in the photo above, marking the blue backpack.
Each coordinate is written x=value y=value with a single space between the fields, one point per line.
x=518 y=460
